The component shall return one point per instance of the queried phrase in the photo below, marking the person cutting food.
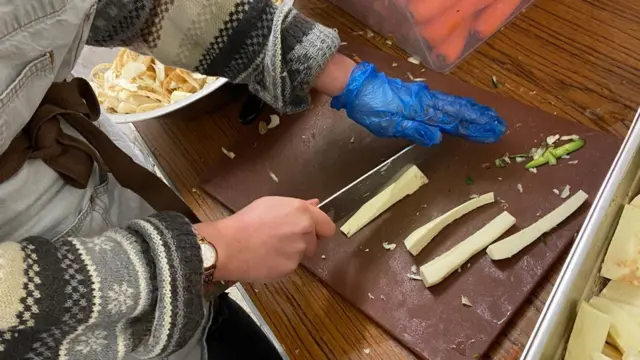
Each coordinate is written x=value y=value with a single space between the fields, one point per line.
x=98 y=259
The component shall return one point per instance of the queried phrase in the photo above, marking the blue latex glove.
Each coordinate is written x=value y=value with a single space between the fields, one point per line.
x=392 y=108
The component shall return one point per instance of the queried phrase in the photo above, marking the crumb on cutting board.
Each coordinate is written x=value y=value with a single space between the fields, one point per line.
x=414 y=60
x=388 y=246
x=273 y=176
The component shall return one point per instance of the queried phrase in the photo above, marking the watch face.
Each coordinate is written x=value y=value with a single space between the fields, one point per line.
x=209 y=255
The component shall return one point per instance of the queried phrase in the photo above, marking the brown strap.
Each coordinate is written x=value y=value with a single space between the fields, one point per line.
x=72 y=158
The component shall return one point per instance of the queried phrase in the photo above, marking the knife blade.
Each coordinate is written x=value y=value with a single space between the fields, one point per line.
x=356 y=194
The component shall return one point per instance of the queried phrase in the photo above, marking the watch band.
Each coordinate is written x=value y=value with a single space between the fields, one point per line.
x=210 y=286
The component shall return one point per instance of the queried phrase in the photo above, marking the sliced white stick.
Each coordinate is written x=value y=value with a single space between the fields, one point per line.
x=632 y=311
x=410 y=181
x=624 y=331
x=599 y=356
x=621 y=260
x=439 y=268
x=423 y=235
x=589 y=333
x=513 y=244
x=622 y=292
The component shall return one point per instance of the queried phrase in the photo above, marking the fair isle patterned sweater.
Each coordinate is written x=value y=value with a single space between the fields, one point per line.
x=132 y=290
x=137 y=290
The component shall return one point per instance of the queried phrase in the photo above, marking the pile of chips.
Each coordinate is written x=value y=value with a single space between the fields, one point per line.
x=135 y=83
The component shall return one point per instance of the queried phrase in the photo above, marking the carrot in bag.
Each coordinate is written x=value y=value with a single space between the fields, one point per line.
x=493 y=16
x=424 y=10
x=436 y=31
x=451 y=49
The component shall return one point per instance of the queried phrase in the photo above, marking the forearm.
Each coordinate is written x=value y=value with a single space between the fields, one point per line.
x=332 y=80
x=274 y=49
x=133 y=289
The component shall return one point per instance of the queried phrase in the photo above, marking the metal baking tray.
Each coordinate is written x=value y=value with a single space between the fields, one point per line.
x=579 y=279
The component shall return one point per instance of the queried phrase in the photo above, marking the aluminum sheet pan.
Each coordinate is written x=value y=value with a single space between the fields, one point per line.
x=579 y=279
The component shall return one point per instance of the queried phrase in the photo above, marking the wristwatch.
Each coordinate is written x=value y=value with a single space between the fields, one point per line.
x=209 y=261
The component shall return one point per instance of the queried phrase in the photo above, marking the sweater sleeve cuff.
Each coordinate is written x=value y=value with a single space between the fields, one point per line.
x=178 y=271
x=297 y=50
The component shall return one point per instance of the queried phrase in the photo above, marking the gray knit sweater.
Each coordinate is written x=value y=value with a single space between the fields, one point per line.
x=144 y=295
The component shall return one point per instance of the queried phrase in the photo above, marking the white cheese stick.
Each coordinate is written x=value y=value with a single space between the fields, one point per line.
x=598 y=356
x=622 y=292
x=632 y=311
x=635 y=202
x=622 y=259
x=589 y=333
x=510 y=246
x=439 y=268
x=421 y=237
x=624 y=331
x=410 y=181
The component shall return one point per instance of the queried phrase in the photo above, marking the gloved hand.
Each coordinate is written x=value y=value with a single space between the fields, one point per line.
x=409 y=110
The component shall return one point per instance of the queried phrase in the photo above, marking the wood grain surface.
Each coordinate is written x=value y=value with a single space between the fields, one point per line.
x=578 y=59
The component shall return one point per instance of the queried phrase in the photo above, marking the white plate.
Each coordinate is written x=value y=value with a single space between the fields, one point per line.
x=129 y=118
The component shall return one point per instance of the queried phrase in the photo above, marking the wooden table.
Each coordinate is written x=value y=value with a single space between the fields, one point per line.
x=578 y=59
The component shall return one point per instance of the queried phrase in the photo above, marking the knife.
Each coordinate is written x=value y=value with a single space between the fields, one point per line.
x=352 y=197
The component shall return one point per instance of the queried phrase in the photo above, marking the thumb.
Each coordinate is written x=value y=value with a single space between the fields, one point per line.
x=313 y=202
x=323 y=223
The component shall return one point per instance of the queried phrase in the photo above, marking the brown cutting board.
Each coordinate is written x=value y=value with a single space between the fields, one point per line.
x=315 y=154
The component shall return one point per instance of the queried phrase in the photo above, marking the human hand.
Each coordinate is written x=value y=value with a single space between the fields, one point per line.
x=267 y=239
x=392 y=108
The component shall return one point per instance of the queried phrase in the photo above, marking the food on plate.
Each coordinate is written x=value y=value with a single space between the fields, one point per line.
x=589 y=333
x=439 y=268
x=421 y=237
x=622 y=261
x=136 y=83
x=408 y=183
x=510 y=246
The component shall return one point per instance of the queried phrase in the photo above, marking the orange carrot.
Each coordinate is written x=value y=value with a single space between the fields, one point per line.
x=451 y=49
x=493 y=16
x=436 y=31
x=424 y=10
